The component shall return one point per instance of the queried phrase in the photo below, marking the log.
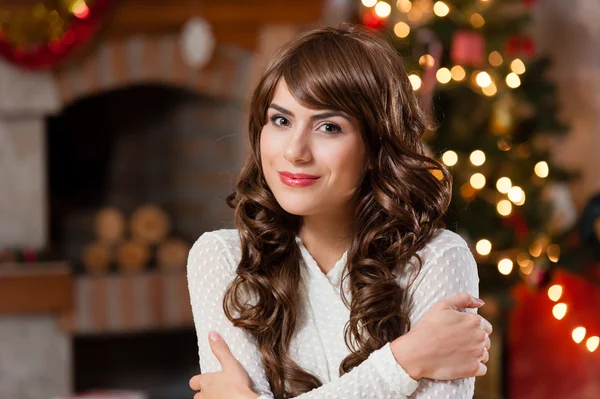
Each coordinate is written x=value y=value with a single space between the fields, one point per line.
x=172 y=254
x=150 y=224
x=110 y=225
x=97 y=257
x=132 y=256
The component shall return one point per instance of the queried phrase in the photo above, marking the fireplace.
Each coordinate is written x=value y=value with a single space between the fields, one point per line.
x=142 y=144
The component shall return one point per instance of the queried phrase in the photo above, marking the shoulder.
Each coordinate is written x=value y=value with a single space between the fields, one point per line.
x=218 y=247
x=446 y=252
x=442 y=242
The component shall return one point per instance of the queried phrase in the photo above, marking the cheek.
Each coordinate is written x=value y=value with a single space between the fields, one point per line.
x=346 y=163
x=270 y=149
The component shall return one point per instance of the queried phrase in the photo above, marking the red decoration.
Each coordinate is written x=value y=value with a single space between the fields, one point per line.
x=519 y=225
x=520 y=45
x=468 y=48
x=372 y=20
x=544 y=361
x=82 y=30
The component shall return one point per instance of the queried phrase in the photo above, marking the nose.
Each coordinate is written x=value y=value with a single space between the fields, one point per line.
x=298 y=147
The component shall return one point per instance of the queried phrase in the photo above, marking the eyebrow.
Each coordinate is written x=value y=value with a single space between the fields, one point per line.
x=322 y=115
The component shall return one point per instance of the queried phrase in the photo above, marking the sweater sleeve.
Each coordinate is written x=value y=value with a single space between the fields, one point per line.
x=450 y=272
x=209 y=273
x=380 y=376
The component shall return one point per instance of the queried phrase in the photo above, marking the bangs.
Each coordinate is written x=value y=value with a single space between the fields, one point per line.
x=327 y=73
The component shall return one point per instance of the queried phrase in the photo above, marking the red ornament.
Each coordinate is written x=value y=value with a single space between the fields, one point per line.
x=46 y=55
x=468 y=48
x=519 y=225
x=372 y=20
x=520 y=45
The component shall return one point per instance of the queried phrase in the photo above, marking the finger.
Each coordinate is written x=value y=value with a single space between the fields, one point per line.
x=482 y=370
x=487 y=343
x=486 y=326
x=196 y=382
x=221 y=350
x=485 y=357
x=462 y=301
x=198 y=395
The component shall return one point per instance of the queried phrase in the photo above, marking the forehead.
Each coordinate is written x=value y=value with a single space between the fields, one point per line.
x=283 y=97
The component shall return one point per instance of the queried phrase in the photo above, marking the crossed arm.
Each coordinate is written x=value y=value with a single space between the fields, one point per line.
x=380 y=376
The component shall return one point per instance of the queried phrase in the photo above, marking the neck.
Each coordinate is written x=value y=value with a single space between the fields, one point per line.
x=326 y=237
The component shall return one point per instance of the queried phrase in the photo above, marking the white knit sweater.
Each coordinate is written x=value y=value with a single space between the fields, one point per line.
x=318 y=345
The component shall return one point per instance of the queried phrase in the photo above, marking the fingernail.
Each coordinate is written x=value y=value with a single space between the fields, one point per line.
x=214 y=336
x=480 y=301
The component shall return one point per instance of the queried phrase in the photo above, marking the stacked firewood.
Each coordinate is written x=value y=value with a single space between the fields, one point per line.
x=133 y=245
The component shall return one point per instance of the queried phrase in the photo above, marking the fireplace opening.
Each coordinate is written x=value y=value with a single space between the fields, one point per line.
x=133 y=147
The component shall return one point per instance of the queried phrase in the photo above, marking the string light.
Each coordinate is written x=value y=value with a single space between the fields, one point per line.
x=503 y=185
x=523 y=259
x=415 y=14
x=495 y=59
x=517 y=66
x=80 y=9
x=458 y=73
x=403 y=5
x=513 y=81
x=522 y=200
x=536 y=249
x=559 y=311
x=477 y=20
x=383 y=9
x=553 y=252
x=483 y=79
x=578 y=334
x=483 y=247
x=592 y=343
x=441 y=9
x=415 y=81
x=490 y=90
x=516 y=194
x=527 y=268
x=402 y=30
x=443 y=75
x=541 y=169
x=369 y=3
x=504 y=207
x=477 y=181
x=477 y=157
x=505 y=266
x=467 y=191
x=450 y=158
x=426 y=61
x=555 y=292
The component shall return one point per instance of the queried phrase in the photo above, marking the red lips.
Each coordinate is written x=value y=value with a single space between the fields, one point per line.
x=297 y=179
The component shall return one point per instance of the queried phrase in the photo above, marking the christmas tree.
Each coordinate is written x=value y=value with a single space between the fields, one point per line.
x=471 y=63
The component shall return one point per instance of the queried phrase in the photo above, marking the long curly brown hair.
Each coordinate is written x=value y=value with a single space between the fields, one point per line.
x=400 y=202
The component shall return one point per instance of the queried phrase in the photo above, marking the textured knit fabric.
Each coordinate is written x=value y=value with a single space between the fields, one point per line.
x=318 y=345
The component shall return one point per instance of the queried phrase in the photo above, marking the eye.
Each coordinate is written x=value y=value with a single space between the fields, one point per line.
x=280 y=121
x=330 y=128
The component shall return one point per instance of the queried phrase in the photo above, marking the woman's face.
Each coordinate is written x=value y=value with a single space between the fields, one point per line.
x=313 y=159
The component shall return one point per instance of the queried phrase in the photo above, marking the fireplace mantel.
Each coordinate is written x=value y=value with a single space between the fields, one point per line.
x=35 y=289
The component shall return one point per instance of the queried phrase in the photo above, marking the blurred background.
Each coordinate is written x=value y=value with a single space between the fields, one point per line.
x=122 y=128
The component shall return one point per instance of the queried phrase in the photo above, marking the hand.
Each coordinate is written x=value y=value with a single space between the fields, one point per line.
x=446 y=343
x=233 y=382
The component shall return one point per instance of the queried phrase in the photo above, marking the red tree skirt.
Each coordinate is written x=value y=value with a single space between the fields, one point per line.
x=544 y=361
x=81 y=30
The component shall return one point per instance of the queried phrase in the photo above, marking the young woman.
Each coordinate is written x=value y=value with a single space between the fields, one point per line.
x=338 y=281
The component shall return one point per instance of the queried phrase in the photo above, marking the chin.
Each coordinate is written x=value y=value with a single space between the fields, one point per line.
x=297 y=205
